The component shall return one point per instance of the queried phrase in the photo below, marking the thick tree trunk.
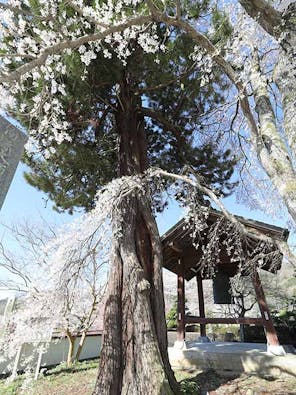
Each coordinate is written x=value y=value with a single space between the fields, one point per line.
x=285 y=76
x=281 y=26
x=271 y=149
x=285 y=79
x=134 y=358
x=263 y=12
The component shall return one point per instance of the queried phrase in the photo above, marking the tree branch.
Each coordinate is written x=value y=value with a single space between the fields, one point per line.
x=267 y=17
x=205 y=43
x=178 y=9
x=168 y=83
x=20 y=11
x=17 y=10
x=159 y=117
x=89 y=18
x=16 y=75
x=154 y=11
x=242 y=229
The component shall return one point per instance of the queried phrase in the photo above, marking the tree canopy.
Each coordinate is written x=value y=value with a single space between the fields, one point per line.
x=170 y=103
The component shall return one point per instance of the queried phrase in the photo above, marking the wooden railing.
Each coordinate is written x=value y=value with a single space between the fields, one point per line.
x=190 y=319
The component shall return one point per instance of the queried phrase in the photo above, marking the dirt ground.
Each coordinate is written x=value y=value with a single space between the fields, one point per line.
x=81 y=378
x=213 y=384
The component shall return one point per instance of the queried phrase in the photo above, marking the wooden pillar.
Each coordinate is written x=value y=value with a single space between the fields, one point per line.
x=181 y=304
x=270 y=331
x=201 y=304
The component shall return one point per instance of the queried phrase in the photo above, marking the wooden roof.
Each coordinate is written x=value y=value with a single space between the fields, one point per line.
x=178 y=246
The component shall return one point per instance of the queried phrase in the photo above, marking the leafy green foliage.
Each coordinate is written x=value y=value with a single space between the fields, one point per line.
x=172 y=315
x=222 y=26
x=286 y=316
x=170 y=101
x=189 y=387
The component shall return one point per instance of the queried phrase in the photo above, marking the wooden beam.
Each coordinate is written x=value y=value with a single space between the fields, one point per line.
x=270 y=331
x=190 y=319
x=181 y=304
x=175 y=247
x=201 y=304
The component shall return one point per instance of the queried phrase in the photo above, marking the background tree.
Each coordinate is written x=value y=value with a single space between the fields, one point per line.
x=172 y=315
x=62 y=296
x=244 y=298
x=247 y=59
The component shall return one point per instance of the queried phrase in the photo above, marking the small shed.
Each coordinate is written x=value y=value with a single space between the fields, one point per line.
x=181 y=257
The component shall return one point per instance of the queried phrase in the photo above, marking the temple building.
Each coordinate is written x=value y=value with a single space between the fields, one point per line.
x=184 y=255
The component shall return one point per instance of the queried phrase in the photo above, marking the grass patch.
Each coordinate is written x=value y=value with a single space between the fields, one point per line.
x=80 y=380
x=76 y=367
x=203 y=382
x=60 y=380
x=10 y=388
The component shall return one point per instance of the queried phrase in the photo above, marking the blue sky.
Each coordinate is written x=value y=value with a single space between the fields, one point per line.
x=25 y=202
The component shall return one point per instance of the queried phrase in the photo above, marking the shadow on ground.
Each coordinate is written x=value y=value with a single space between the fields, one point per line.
x=204 y=382
x=212 y=383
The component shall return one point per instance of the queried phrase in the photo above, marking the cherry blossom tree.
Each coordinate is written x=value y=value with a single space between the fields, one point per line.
x=38 y=41
x=270 y=32
x=57 y=293
x=259 y=55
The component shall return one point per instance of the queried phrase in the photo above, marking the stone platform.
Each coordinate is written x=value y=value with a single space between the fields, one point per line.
x=232 y=358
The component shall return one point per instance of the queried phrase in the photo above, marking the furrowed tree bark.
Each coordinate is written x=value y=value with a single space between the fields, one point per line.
x=109 y=379
x=271 y=149
x=285 y=76
x=278 y=161
x=134 y=357
x=261 y=10
x=281 y=26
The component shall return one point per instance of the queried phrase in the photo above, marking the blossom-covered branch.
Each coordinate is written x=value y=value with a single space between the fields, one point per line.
x=193 y=180
x=16 y=75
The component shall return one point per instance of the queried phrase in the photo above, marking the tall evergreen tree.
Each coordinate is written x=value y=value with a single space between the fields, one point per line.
x=168 y=105
x=123 y=118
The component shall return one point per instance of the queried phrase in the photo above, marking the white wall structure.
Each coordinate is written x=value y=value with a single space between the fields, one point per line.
x=56 y=352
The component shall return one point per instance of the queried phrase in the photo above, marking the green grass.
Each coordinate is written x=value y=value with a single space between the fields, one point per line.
x=193 y=383
x=80 y=380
